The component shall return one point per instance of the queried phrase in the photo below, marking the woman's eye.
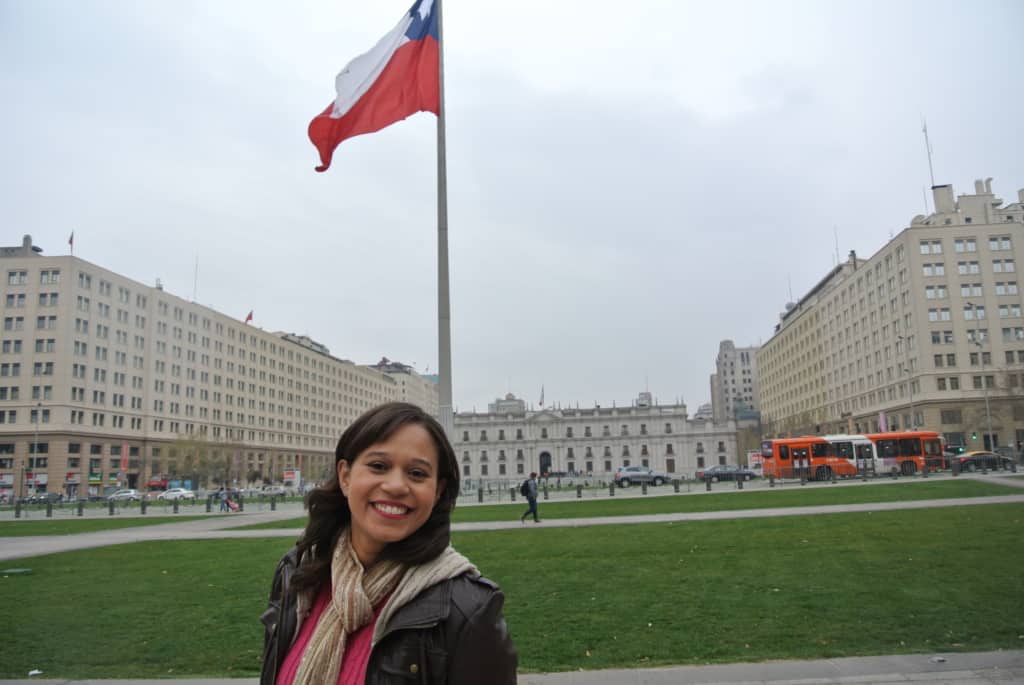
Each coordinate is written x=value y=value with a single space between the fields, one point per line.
x=377 y=466
x=418 y=474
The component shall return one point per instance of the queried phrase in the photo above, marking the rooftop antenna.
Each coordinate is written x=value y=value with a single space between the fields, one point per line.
x=924 y=196
x=928 y=149
x=835 y=232
x=789 y=281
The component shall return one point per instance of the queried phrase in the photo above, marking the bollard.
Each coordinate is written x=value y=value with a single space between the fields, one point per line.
x=771 y=481
x=81 y=507
x=675 y=484
x=924 y=471
x=611 y=489
x=707 y=484
x=17 y=509
x=142 y=505
x=209 y=503
x=545 y=490
x=512 y=491
x=110 y=506
x=241 y=502
x=739 y=483
x=643 y=488
x=49 y=509
x=273 y=504
x=803 y=478
x=176 y=506
x=955 y=467
x=579 y=492
x=893 y=474
x=1013 y=467
x=833 y=476
x=479 y=495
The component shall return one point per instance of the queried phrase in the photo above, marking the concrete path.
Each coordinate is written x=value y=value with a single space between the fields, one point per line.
x=219 y=527
x=984 y=668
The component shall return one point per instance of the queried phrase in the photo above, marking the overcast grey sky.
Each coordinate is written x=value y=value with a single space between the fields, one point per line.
x=629 y=183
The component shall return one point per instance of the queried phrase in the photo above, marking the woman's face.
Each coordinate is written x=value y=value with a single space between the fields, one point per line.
x=391 y=487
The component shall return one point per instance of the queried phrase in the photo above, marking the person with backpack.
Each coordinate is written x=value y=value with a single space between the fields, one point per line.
x=529 y=490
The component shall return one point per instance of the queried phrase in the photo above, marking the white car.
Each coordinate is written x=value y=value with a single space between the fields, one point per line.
x=125 y=496
x=176 y=494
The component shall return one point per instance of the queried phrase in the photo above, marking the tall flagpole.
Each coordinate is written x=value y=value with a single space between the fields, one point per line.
x=444 y=316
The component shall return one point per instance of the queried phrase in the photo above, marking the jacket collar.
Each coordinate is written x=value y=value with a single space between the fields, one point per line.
x=429 y=608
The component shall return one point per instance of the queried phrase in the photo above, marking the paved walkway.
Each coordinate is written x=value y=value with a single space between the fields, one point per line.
x=984 y=668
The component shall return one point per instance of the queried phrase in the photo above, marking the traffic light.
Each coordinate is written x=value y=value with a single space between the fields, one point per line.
x=974 y=435
x=960 y=449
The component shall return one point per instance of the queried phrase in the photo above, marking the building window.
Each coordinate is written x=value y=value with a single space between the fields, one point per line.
x=999 y=243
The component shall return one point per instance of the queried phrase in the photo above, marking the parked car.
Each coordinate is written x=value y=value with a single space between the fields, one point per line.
x=176 y=494
x=273 y=491
x=127 y=495
x=628 y=475
x=44 y=498
x=726 y=472
x=976 y=461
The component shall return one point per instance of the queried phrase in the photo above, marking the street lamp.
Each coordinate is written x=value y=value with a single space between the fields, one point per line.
x=35 y=445
x=984 y=383
x=910 y=378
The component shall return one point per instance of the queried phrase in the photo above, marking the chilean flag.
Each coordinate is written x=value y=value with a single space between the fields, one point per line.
x=394 y=80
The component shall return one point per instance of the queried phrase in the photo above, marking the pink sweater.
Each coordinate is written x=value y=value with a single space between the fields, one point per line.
x=357 y=647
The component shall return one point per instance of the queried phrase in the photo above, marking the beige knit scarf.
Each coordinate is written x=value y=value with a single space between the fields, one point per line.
x=356 y=592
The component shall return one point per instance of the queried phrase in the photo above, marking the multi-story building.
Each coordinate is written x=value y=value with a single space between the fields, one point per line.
x=105 y=381
x=928 y=332
x=510 y=440
x=734 y=383
x=411 y=386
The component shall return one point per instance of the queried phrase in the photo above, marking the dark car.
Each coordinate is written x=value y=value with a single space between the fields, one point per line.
x=726 y=472
x=976 y=461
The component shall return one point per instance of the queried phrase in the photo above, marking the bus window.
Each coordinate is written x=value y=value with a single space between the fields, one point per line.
x=821 y=449
x=932 y=447
x=887 y=449
x=783 y=451
x=843 y=449
x=910 y=447
x=864 y=452
x=766 y=449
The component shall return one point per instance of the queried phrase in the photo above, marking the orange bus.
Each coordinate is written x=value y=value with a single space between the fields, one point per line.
x=817 y=457
x=907 y=452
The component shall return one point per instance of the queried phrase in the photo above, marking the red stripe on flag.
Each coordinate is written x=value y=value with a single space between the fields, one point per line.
x=408 y=84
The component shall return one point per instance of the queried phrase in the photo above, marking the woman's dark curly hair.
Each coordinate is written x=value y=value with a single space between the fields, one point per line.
x=329 y=513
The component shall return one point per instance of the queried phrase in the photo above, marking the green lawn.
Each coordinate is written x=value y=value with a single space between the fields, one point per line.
x=821 y=586
x=69 y=526
x=788 y=496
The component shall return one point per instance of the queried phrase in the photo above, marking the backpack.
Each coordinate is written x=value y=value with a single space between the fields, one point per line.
x=524 y=489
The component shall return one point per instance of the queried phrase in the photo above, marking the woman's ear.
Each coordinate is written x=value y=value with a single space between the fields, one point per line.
x=344 y=474
x=441 y=483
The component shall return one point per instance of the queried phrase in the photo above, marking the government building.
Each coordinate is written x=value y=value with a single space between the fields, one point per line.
x=511 y=441
x=926 y=333
x=106 y=382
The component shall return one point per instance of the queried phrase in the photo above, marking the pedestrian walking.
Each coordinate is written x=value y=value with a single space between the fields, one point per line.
x=373 y=591
x=529 y=490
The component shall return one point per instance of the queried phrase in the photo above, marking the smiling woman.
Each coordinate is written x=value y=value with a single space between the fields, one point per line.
x=373 y=586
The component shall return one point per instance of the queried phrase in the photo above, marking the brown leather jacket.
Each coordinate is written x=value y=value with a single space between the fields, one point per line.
x=451 y=634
